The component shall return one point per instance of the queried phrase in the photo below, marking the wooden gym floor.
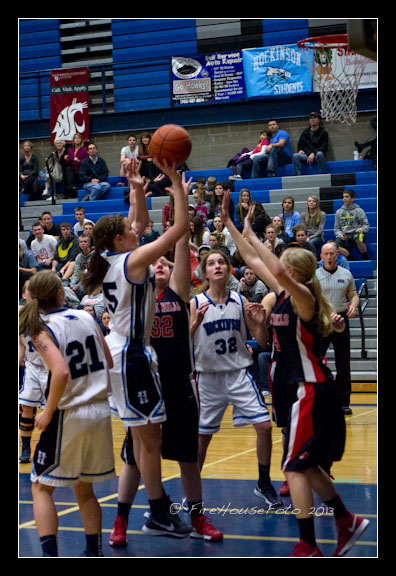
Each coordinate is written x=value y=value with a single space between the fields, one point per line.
x=228 y=478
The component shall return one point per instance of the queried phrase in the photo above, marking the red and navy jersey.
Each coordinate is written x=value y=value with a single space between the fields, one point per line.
x=296 y=345
x=170 y=335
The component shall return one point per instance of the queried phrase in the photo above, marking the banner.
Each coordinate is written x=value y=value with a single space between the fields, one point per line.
x=210 y=78
x=69 y=103
x=276 y=71
x=342 y=63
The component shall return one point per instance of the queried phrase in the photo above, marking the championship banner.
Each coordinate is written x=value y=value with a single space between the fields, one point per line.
x=276 y=71
x=210 y=78
x=69 y=103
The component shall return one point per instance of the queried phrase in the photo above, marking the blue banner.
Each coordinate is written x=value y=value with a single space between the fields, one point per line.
x=276 y=71
x=210 y=78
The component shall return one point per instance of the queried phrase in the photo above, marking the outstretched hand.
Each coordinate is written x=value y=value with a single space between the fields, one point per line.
x=224 y=207
x=248 y=221
x=256 y=312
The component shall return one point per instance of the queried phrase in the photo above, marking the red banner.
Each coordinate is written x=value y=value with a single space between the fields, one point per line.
x=69 y=104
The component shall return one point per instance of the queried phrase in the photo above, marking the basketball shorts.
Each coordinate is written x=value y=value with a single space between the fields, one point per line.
x=350 y=241
x=315 y=433
x=284 y=393
x=218 y=389
x=180 y=430
x=34 y=385
x=76 y=446
x=136 y=394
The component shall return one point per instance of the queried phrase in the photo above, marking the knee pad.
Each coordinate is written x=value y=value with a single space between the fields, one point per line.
x=26 y=424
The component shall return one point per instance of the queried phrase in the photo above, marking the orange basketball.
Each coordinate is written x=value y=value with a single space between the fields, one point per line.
x=171 y=143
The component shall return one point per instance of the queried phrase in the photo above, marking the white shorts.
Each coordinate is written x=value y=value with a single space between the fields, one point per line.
x=136 y=393
x=218 y=389
x=76 y=446
x=35 y=381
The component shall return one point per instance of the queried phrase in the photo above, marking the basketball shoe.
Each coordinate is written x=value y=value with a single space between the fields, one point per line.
x=118 y=537
x=349 y=529
x=303 y=549
x=268 y=493
x=202 y=528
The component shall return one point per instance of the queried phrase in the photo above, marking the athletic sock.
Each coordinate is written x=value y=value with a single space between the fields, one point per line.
x=158 y=508
x=123 y=509
x=307 y=530
x=264 y=476
x=94 y=544
x=49 y=545
x=26 y=441
x=338 y=506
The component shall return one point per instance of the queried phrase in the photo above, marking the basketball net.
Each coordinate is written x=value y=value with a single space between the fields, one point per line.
x=336 y=73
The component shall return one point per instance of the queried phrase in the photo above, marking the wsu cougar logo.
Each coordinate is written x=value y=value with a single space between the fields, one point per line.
x=66 y=126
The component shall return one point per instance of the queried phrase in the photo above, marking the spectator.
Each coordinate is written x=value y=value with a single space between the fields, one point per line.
x=216 y=201
x=245 y=199
x=81 y=265
x=279 y=226
x=338 y=285
x=66 y=252
x=350 y=226
x=251 y=286
x=289 y=215
x=49 y=227
x=372 y=142
x=75 y=156
x=43 y=247
x=28 y=173
x=202 y=208
x=149 y=234
x=199 y=233
x=148 y=167
x=277 y=153
x=94 y=174
x=78 y=227
x=312 y=146
x=314 y=220
x=168 y=211
x=261 y=220
x=95 y=299
x=88 y=231
x=27 y=267
x=245 y=161
x=300 y=239
x=105 y=323
x=228 y=240
x=130 y=151
x=57 y=166
x=273 y=242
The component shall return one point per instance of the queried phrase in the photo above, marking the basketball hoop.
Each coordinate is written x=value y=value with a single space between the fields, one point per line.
x=336 y=72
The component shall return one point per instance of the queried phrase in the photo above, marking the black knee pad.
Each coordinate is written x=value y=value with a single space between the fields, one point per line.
x=26 y=424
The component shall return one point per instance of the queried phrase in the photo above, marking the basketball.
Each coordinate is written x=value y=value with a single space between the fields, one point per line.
x=171 y=143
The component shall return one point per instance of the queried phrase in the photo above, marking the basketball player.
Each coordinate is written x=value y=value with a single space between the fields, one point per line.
x=304 y=392
x=170 y=339
x=218 y=327
x=76 y=445
x=128 y=285
x=32 y=390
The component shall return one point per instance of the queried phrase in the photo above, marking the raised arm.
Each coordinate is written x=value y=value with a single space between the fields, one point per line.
x=138 y=213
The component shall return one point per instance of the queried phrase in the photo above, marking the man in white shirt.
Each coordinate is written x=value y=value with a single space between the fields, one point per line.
x=43 y=247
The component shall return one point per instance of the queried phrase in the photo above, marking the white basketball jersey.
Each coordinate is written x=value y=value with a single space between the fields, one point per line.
x=219 y=343
x=31 y=354
x=131 y=306
x=76 y=334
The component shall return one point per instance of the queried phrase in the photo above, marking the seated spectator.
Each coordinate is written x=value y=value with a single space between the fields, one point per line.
x=76 y=154
x=202 y=208
x=66 y=252
x=43 y=247
x=273 y=242
x=279 y=226
x=350 y=226
x=27 y=267
x=199 y=233
x=314 y=220
x=149 y=234
x=56 y=163
x=251 y=286
x=78 y=227
x=29 y=172
x=228 y=239
x=277 y=153
x=130 y=151
x=49 y=226
x=245 y=161
x=96 y=300
x=340 y=260
x=261 y=220
x=217 y=241
x=147 y=168
x=245 y=199
x=94 y=174
x=289 y=216
x=81 y=265
x=300 y=239
x=88 y=231
x=216 y=201
x=312 y=146
x=105 y=323
x=199 y=184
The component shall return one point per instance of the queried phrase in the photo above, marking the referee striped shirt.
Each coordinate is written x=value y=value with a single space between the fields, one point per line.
x=336 y=285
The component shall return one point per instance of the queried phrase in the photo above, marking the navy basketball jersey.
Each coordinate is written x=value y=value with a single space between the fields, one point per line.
x=170 y=335
x=296 y=345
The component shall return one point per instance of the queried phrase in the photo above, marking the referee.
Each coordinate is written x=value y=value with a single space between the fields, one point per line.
x=338 y=285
